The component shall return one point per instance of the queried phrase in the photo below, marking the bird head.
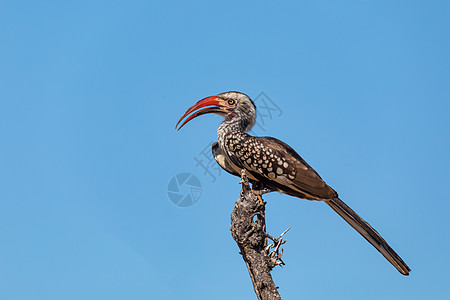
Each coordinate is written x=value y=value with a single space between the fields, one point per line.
x=230 y=105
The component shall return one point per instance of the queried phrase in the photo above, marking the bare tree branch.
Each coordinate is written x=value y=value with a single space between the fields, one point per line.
x=249 y=231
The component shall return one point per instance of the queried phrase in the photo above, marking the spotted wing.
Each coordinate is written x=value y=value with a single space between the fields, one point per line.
x=275 y=163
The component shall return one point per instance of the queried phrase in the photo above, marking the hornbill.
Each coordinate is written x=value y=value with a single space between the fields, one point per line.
x=272 y=165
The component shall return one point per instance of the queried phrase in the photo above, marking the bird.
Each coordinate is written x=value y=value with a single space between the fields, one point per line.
x=272 y=165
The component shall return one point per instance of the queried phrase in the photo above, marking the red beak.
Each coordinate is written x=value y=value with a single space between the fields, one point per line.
x=217 y=107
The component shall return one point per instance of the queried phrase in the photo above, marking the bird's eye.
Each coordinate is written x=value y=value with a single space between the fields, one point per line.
x=231 y=102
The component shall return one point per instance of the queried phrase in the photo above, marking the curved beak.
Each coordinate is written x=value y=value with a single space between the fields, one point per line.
x=216 y=106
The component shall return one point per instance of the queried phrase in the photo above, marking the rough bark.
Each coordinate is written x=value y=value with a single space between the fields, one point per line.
x=249 y=231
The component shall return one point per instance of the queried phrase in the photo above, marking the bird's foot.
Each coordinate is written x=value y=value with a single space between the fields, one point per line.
x=244 y=179
x=258 y=195
x=261 y=192
x=258 y=189
x=275 y=254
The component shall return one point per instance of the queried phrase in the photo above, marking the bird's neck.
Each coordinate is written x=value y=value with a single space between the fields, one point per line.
x=238 y=124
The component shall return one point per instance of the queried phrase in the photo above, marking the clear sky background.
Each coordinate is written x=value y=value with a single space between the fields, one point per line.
x=90 y=93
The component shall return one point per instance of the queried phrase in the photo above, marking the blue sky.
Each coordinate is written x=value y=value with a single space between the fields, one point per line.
x=91 y=92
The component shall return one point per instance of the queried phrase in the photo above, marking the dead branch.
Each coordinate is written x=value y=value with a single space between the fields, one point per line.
x=248 y=228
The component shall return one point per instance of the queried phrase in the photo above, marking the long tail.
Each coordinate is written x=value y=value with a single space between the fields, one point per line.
x=370 y=234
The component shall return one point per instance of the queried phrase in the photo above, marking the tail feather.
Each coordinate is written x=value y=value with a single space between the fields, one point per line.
x=370 y=234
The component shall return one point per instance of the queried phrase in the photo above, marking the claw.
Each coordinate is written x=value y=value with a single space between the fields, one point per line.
x=261 y=201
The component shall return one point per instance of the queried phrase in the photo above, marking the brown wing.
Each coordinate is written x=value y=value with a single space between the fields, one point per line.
x=277 y=164
x=306 y=178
